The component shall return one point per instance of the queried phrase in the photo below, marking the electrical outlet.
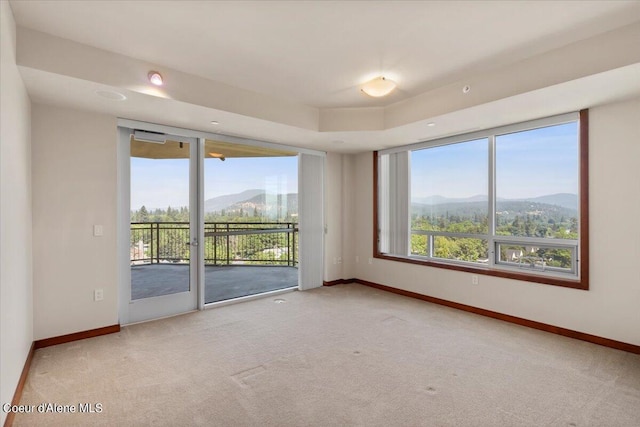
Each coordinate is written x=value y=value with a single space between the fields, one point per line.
x=339 y=260
x=98 y=230
x=474 y=279
x=98 y=294
x=370 y=260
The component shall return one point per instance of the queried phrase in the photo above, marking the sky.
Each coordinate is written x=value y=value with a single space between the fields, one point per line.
x=528 y=164
x=158 y=183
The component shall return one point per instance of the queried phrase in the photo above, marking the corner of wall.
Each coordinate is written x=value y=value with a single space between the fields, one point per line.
x=348 y=216
x=16 y=269
x=333 y=258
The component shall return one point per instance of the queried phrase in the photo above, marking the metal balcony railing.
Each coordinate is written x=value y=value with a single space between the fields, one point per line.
x=225 y=243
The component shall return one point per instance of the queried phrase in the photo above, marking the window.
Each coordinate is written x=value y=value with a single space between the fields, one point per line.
x=508 y=202
x=449 y=207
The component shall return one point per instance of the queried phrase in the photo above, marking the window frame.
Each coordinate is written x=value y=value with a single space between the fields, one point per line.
x=495 y=268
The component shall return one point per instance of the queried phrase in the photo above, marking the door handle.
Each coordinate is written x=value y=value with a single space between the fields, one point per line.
x=194 y=242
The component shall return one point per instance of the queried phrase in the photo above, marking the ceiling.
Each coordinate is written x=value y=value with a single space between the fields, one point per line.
x=309 y=58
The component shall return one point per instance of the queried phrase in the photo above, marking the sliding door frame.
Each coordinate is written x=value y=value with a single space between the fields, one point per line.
x=124 y=274
x=153 y=307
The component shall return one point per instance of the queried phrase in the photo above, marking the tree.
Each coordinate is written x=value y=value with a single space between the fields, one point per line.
x=143 y=215
x=529 y=227
x=555 y=257
x=172 y=214
x=419 y=245
x=574 y=223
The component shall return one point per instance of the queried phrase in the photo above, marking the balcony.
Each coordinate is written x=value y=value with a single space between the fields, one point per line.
x=240 y=258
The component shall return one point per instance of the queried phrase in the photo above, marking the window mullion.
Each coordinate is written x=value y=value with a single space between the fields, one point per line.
x=491 y=200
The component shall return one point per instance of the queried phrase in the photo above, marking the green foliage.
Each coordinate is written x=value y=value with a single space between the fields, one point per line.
x=555 y=257
x=465 y=249
x=461 y=248
x=475 y=249
x=419 y=245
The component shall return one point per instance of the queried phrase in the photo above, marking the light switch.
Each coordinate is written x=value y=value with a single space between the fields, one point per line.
x=98 y=230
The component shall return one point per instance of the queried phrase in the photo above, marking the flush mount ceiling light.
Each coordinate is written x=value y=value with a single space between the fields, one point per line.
x=378 y=87
x=155 y=78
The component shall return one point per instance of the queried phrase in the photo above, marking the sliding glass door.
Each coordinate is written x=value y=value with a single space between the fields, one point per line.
x=163 y=175
x=206 y=219
x=250 y=220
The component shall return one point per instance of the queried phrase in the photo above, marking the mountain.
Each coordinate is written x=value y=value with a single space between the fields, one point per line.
x=460 y=209
x=267 y=204
x=219 y=203
x=440 y=200
x=270 y=205
x=552 y=206
x=566 y=200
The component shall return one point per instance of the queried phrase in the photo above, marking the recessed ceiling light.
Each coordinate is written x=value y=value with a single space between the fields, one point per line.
x=431 y=124
x=155 y=78
x=111 y=94
x=378 y=87
x=215 y=122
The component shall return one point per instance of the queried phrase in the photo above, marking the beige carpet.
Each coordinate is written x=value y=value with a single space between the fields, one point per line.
x=345 y=355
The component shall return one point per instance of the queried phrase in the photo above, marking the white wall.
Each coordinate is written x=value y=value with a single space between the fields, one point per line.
x=74 y=188
x=333 y=256
x=16 y=312
x=348 y=216
x=611 y=308
x=339 y=214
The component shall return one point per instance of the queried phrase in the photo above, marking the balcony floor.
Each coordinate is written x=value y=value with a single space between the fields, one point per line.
x=221 y=282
